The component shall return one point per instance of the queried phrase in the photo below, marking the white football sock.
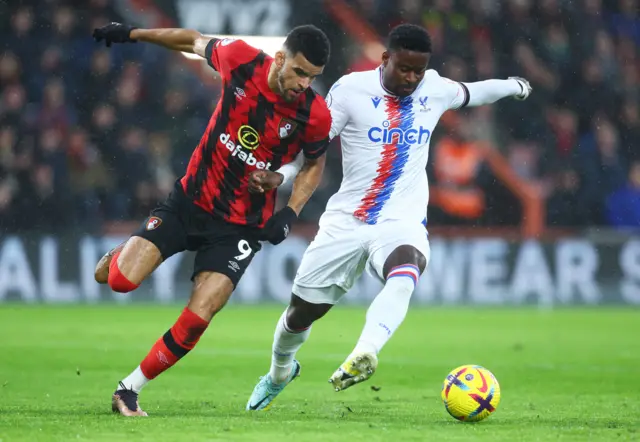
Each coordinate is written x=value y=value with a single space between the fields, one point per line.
x=388 y=309
x=135 y=381
x=285 y=345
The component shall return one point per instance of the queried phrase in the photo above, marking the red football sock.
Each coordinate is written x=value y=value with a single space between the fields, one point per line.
x=117 y=281
x=176 y=342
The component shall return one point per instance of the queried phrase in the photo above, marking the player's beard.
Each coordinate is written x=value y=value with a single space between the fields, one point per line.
x=284 y=91
x=397 y=89
x=402 y=90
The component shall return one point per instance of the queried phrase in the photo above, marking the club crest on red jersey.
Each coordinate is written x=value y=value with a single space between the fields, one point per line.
x=153 y=223
x=285 y=128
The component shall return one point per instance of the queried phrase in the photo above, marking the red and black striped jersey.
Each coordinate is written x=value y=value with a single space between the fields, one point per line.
x=251 y=128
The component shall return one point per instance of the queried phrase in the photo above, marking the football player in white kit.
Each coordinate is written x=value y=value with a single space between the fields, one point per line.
x=376 y=220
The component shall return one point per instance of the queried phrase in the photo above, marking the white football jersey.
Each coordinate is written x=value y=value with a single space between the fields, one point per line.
x=385 y=144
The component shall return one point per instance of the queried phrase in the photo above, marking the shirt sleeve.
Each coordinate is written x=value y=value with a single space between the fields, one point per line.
x=490 y=91
x=315 y=140
x=456 y=94
x=224 y=55
x=336 y=99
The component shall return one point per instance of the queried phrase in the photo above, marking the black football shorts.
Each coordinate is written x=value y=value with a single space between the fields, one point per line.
x=177 y=224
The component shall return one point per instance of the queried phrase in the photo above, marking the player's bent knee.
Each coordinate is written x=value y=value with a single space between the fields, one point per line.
x=405 y=255
x=117 y=281
x=101 y=273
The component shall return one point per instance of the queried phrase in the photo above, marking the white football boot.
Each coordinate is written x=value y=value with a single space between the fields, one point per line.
x=357 y=368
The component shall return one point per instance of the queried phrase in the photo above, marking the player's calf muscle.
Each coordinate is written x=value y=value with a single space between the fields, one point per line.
x=211 y=291
x=301 y=314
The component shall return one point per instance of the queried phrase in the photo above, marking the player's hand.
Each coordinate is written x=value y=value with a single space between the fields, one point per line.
x=279 y=225
x=525 y=86
x=261 y=181
x=114 y=33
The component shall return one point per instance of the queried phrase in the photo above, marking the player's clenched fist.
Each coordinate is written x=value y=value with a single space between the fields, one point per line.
x=279 y=225
x=261 y=181
x=114 y=33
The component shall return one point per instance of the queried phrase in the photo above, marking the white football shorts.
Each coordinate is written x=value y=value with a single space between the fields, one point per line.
x=344 y=247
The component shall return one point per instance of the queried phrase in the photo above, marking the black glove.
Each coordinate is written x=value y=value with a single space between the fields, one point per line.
x=114 y=33
x=279 y=225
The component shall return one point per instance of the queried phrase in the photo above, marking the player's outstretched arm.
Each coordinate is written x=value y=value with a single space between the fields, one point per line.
x=183 y=40
x=489 y=91
x=177 y=39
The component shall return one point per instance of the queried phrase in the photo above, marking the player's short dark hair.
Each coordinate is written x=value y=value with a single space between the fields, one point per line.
x=311 y=42
x=409 y=37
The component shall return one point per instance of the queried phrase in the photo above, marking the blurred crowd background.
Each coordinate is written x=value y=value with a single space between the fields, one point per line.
x=91 y=136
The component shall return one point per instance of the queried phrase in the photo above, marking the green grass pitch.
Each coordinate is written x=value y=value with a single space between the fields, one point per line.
x=565 y=375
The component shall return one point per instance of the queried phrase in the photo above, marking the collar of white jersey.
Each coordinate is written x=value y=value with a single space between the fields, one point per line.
x=387 y=90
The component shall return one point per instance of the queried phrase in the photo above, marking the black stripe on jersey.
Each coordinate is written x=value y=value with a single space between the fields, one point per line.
x=264 y=111
x=235 y=170
x=196 y=182
x=466 y=95
x=208 y=51
x=315 y=149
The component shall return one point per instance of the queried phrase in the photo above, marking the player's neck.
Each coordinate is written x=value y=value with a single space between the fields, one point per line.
x=386 y=88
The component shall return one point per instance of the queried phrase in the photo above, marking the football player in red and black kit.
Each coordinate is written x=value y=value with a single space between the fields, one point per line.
x=267 y=114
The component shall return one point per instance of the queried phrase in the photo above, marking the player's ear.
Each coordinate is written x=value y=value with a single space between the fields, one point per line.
x=385 y=58
x=280 y=58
